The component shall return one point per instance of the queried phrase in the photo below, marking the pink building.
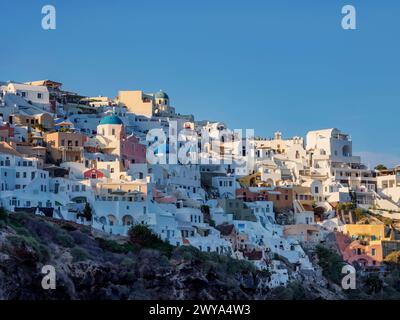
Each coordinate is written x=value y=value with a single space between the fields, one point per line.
x=132 y=151
x=6 y=132
x=368 y=254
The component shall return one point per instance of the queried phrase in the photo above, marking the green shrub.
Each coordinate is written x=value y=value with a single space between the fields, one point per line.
x=331 y=263
x=128 y=263
x=373 y=284
x=191 y=253
x=79 y=254
x=236 y=266
x=65 y=240
x=3 y=214
x=30 y=242
x=294 y=291
x=359 y=213
x=143 y=236
x=87 y=212
x=164 y=261
x=22 y=231
x=113 y=246
x=393 y=259
x=222 y=263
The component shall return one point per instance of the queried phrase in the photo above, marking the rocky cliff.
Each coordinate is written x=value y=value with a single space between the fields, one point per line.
x=92 y=267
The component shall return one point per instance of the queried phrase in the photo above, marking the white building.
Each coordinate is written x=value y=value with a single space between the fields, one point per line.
x=38 y=95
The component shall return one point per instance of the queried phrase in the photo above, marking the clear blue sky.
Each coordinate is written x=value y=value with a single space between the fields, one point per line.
x=269 y=65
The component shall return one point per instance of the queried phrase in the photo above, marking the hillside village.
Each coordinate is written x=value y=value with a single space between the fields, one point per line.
x=269 y=201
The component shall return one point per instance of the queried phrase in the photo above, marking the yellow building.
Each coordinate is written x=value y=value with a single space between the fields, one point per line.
x=368 y=232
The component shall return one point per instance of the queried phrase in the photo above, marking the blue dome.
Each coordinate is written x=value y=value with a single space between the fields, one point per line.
x=161 y=95
x=111 y=120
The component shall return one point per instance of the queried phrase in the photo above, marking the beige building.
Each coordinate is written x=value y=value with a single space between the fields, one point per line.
x=136 y=189
x=65 y=146
x=147 y=105
x=137 y=102
x=43 y=119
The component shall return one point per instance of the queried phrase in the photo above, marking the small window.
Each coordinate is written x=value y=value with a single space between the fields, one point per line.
x=39 y=96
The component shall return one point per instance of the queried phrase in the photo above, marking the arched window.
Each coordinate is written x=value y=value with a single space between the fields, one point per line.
x=127 y=220
x=103 y=220
x=112 y=220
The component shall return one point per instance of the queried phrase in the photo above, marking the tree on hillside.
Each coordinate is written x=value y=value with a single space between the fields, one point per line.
x=142 y=235
x=87 y=212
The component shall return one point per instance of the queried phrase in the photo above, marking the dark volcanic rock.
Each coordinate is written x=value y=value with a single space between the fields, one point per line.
x=87 y=269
